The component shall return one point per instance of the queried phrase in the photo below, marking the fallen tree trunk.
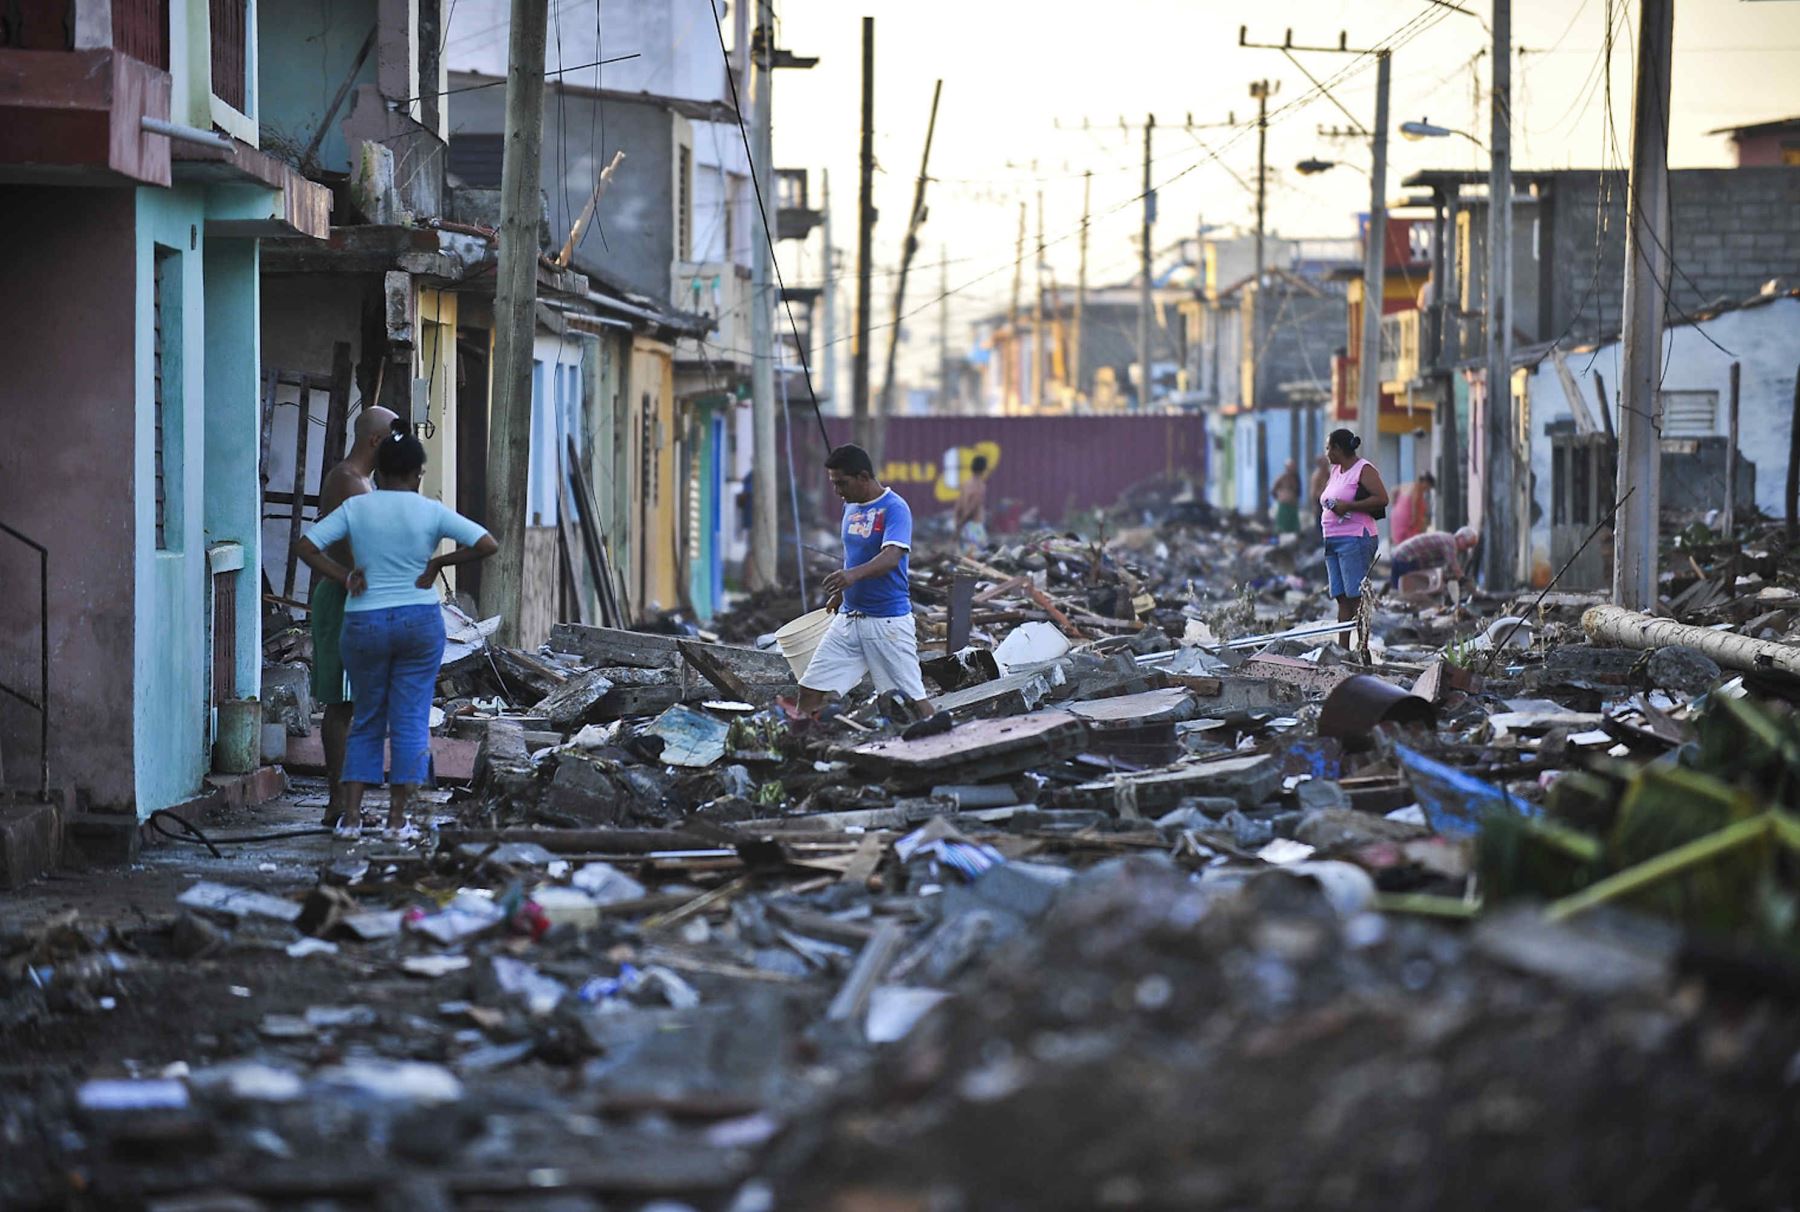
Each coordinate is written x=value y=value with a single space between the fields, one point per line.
x=1630 y=629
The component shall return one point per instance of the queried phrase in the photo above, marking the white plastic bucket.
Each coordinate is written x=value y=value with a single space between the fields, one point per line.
x=799 y=638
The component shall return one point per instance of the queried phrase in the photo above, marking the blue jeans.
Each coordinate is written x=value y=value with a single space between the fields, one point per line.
x=392 y=657
x=1347 y=560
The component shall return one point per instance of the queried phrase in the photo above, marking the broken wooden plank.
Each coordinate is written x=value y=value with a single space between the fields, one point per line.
x=714 y=670
x=975 y=751
x=1249 y=780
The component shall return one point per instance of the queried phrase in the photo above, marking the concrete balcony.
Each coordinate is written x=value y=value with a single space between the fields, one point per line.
x=76 y=116
x=1400 y=351
x=720 y=292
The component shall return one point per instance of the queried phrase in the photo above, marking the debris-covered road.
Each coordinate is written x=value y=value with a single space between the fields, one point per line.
x=1196 y=905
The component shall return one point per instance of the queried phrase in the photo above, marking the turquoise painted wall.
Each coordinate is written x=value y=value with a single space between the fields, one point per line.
x=170 y=641
x=308 y=47
x=233 y=491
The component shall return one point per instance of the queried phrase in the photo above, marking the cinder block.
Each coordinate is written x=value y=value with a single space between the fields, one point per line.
x=30 y=840
x=101 y=839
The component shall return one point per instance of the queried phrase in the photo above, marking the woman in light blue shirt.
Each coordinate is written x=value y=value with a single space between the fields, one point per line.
x=393 y=639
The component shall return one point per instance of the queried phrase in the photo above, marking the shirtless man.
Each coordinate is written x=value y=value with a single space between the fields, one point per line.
x=971 y=507
x=330 y=688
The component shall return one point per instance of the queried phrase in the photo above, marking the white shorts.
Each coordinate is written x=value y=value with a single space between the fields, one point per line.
x=887 y=650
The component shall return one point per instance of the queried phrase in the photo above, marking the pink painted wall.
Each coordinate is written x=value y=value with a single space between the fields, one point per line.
x=66 y=406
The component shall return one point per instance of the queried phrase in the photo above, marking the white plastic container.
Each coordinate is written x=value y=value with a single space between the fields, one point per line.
x=801 y=637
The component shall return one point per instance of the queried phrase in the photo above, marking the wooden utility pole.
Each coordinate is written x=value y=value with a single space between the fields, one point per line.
x=1037 y=315
x=1087 y=185
x=1144 y=267
x=914 y=221
x=828 y=302
x=1731 y=455
x=1010 y=404
x=1646 y=294
x=515 y=315
x=865 y=240
x=765 y=497
x=1500 y=522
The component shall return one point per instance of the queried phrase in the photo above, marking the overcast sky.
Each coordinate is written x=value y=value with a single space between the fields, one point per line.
x=1013 y=72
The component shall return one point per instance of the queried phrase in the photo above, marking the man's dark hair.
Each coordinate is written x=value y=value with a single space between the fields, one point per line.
x=1428 y=479
x=978 y=464
x=851 y=460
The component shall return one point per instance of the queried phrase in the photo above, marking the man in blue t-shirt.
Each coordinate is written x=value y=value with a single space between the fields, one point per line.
x=873 y=631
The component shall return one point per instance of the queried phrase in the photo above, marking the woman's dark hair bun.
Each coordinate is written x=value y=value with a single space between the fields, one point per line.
x=399 y=428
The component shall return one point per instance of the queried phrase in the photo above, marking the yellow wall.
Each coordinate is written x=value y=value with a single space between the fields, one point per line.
x=655 y=544
x=434 y=362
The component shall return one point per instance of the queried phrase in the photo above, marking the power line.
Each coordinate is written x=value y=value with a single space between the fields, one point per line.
x=763 y=213
x=470 y=88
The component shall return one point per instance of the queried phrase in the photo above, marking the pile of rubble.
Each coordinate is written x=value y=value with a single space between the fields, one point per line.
x=1193 y=905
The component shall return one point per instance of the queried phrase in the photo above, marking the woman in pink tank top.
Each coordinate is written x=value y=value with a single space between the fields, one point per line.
x=1353 y=499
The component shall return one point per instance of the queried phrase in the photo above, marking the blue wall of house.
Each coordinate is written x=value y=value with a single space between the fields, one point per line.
x=170 y=640
x=233 y=490
x=309 y=47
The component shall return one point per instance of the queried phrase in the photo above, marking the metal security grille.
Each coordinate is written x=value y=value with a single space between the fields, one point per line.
x=684 y=204
x=224 y=632
x=141 y=30
x=228 y=36
x=165 y=264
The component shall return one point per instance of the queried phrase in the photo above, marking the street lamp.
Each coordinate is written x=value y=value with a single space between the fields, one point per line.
x=1313 y=167
x=1427 y=129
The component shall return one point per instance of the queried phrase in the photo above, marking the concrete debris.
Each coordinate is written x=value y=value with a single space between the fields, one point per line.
x=1196 y=901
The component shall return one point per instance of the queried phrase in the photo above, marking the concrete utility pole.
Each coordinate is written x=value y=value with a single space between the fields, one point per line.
x=515 y=315
x=1368 y=377
x=1144 y=255
x=1011 y=401
x=1499 y=521
x=914 y=221
x=865 y=240
x=1087 y=186
x=1259 y=89
x=829 y=302
x=1646 y=294
x=765 y=499
x=1037 y=315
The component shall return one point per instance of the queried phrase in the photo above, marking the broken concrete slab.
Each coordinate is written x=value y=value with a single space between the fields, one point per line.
x=975 y=751
x=1167 y=706
x=1315 y=681
x=608 y=646
x=571 y=704
x=1238 y=697
x=1013 y=694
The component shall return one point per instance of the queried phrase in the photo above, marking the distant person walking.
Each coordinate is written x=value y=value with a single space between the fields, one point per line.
x=393 y=638
x=1353 y=499
x=971 y=508
x=1286 y=495
x=1412 y=509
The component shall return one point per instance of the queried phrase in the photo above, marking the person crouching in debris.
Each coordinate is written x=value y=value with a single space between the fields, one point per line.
x=393 y=638
x=1353 y=499
x=1433 y=549
x=971 y=507
x=873 y=631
